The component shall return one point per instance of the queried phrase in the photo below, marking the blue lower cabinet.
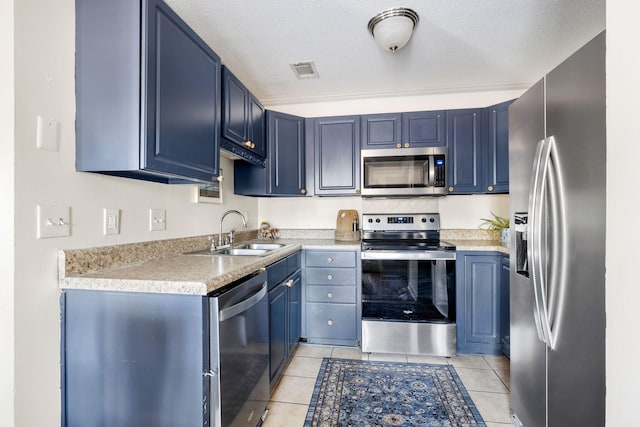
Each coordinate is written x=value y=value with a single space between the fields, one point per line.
x=277 y=330
x=332 y=299
x=285 y=298
x=479 y=302
x=505 y=326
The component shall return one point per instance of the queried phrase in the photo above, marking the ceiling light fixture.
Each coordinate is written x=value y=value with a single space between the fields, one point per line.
x=392 y=28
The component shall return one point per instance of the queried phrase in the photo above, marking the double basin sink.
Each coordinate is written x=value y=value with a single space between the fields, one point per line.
x=242 y=249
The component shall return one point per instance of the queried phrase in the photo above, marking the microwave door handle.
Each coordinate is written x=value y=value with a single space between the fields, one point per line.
x=431 y=171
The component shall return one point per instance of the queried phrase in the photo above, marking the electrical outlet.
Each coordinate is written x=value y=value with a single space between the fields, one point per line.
x=157 y=219
x=111 y=221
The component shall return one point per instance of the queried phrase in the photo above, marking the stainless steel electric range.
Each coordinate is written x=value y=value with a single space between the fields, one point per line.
x=408 y=285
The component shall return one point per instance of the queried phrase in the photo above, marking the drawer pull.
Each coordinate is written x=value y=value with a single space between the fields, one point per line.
x=330 y=322
x=329 y=295
x=329 y=260
x=329 y=277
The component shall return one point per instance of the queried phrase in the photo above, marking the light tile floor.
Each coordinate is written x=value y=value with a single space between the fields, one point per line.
x=486 y=378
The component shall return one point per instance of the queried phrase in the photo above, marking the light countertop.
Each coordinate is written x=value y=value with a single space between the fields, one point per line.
x=161 y=267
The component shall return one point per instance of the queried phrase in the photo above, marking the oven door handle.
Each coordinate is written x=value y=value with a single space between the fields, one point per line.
x=244 y=305
x=408 y=255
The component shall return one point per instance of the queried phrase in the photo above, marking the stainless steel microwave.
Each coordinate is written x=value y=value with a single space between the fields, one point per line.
x=404 y=172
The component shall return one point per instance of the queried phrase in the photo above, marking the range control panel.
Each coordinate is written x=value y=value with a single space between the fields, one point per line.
x=401 y=222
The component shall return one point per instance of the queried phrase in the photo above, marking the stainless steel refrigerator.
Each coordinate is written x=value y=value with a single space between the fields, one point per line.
x=557 y=163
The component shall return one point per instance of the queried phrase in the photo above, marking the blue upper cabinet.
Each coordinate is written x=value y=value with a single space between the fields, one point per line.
x=478 y=141
x=466 y=139
x=284 y=172
x=243 y=122
x=498 y=148
x=381 y=130
x=423 y=129
x=147 y=94
x=404 y=130
x=336 y=143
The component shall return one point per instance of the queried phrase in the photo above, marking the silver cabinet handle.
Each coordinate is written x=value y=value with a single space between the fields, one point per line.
x=329 y=295
x=329 y=260
x=289 y=283
x=210 y=373
x=330 y=322
x=329 y=277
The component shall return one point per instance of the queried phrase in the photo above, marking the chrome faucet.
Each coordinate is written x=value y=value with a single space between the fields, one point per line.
x=244 y=224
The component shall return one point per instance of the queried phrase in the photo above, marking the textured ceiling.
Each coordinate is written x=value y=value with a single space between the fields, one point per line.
x=458 y=45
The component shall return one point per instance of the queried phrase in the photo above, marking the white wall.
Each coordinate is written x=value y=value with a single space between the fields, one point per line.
x=6 y=214
x=44 y=85
x=322 y=212
x=623 y=235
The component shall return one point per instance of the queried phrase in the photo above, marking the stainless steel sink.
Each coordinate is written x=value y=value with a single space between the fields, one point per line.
x=243 y=251
x=267 y=246
x=246 y=249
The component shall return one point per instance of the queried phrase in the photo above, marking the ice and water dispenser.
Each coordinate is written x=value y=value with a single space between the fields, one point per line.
x=521 y=220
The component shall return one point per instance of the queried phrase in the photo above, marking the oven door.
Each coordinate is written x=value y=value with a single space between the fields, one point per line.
x=409 y=286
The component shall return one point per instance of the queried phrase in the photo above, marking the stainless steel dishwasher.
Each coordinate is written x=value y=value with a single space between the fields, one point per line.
x=239 y=352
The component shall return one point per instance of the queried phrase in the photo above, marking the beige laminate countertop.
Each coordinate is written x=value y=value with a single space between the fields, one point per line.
x=480 y=245
x=175 y=273
x=190 y=274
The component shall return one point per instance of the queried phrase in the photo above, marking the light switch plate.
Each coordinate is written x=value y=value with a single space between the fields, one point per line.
x=47 y=134
x=53 y=221
x=157 y=219
x=111 y=221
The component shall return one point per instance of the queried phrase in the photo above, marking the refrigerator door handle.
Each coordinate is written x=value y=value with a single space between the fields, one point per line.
x=548 y=241
x=535 y=235
x=558 y=266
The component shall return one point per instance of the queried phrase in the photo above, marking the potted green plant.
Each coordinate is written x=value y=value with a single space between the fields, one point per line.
x=498 y=227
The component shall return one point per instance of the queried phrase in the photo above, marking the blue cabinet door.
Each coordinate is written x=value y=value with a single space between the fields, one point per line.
x=467 y=155
x=498 y=148
x=242 y=120
x=505 y=323
x=478 y=301
x=278 y=343
x=286 y=158
x=148 y=102
x=381 y=130
x=284 y=171
x=337 y=155
x=294 y=311
x=423 y=129
x=257 y=126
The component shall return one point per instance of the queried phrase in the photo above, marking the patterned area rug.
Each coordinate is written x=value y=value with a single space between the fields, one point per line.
x=359 y=393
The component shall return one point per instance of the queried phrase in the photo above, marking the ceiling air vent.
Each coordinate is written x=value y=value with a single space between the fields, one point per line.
x=305 y=70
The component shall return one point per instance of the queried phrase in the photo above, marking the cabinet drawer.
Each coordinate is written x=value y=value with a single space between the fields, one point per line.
x=331 y=321
x=330 y=259
x=293 y=263
x=331 y=276
x=337 y=294
x=277 y=272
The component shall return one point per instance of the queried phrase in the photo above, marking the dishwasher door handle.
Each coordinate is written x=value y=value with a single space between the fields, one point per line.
x=243 y=305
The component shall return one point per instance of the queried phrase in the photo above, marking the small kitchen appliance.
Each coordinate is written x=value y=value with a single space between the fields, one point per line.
x=408 y=285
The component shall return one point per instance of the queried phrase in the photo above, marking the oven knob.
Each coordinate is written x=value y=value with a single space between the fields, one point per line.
x=377 y=219
x=424 y=219
x=432 y=220
x=370 y=220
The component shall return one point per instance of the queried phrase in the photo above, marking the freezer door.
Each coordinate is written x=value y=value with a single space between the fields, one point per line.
x=528 y=353
x=575 y=102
